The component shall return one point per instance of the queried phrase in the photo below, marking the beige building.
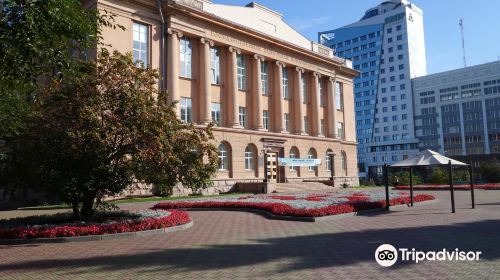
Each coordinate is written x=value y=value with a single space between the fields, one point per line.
x=272 y=92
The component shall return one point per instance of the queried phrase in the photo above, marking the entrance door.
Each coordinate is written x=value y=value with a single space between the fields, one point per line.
x=272 y=167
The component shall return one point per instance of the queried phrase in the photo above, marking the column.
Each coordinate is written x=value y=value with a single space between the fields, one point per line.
x=332 y=108
x=298 y=101
x=232 y=88
x=258 y=121
x=279 y=120
x=315 y=104
x=173 y=67
x=205 y=82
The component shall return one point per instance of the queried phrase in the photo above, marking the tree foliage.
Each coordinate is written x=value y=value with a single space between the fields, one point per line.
x=490 y=171
x=106 y=128
x=403 y=178
x=39 y=40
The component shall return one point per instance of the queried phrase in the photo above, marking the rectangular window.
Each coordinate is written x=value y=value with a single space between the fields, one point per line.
x=186 y=51
x=186 y=110
x=264 y=77
x=340 y=130
x=284 y=81
x=215 y=65
x=242 y=72
x=287 y=122
x=322 y=126
x=339 y=96
x=306 y=124
x=216 y=114
x=265 y=119
x=243 y=116
x=141 y=43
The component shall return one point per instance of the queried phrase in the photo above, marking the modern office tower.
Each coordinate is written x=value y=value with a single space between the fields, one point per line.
x=271 y=92
x=387 y=46
x=458 y=112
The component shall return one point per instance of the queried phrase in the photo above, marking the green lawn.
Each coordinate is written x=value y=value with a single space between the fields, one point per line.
x=131 y=200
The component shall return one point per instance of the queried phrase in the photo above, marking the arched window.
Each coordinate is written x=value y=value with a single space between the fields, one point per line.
x=249 y=158
x=294 y=153
x=343 y=162
x=312 y=154
x=328 y=162
x=224 y=154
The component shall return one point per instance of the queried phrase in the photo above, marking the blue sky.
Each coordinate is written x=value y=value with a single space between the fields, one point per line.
x=441 y=17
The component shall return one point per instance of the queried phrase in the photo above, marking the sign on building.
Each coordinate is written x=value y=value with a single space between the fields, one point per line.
x=299 y=162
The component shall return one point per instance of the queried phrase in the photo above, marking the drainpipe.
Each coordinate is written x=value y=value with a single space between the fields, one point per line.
x=162 y=46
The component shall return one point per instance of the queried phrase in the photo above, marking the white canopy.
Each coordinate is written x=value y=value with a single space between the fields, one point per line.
x=427 y=158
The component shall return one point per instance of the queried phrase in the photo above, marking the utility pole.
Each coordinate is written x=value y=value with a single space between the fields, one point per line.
x=461 y=23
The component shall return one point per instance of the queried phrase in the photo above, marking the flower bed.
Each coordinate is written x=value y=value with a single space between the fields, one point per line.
x=111 y=223
x=301 y=205
x=447 y=187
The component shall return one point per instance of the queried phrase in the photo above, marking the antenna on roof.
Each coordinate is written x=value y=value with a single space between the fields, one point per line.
x=461 y=23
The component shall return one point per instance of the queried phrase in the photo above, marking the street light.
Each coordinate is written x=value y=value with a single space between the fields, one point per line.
x=332 y=166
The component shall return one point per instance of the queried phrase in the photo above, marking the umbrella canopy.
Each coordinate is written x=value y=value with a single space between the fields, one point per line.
x=427 y=158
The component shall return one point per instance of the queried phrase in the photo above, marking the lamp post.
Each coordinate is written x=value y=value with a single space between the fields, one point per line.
x=332 y=166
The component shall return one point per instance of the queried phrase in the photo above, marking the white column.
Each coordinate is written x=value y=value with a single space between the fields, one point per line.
x=315 y=104
x=332 y=108
x=232 y=89
x=205 y=82
x=258 y=121
x=298 y=101
x=173 y=67
x=279 y=122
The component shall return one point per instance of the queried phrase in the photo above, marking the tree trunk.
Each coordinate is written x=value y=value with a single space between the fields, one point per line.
x=88 y=207
x=76 y=209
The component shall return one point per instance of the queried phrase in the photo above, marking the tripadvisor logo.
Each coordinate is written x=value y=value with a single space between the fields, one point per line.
x=387 y=255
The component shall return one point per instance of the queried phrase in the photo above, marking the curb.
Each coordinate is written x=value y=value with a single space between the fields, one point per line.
x=271 y=216
x=96 y=237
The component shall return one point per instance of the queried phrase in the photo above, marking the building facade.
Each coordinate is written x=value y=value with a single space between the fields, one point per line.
x=387 y=46
x=270 y=91
x=458 y=112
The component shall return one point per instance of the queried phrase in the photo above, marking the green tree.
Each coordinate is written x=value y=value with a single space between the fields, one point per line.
x=40 y=40
x=108 y=127
x=403 y=178
x=490 y=171
x=439 y=176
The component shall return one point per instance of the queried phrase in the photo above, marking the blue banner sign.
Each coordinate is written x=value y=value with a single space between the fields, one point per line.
x=299 y=162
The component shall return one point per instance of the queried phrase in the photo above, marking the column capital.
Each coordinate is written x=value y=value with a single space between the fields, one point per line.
x=317 y=74
x=235 y=50
x=299 y=69
x=258 y=57
x=280 y=64
x=332 y=78
x=207 y=41
x=178 y=33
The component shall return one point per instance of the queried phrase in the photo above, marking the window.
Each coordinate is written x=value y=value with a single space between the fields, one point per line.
x=306 y=125
x=140 y=43
x=243 y=116
x=186 y=110
x=400 y=37
x=186 y=51
x=249 y=158
x=264 y=76
x=343 y=162
x=216 y=116
x=340 y=130
x=224 y=155
x=339 y=98
x=284 y=81
x=322 y=126
x=328 y=162
x=215 y=65
x=242 y=72
x=265 y=119
x=294 y=153
x=303 y=82
x=310 y=155
x=287 y=122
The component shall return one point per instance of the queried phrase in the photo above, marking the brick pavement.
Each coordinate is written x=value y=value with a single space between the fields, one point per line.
x=239 y=245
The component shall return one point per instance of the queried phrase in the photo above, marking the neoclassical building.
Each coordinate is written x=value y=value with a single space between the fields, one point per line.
x=270 y=91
